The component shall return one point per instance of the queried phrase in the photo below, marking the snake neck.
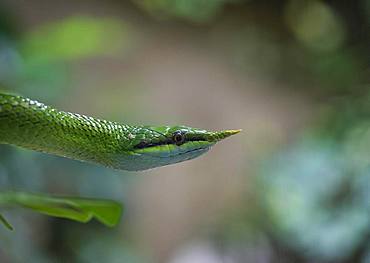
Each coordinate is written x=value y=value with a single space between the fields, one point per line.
x=27 y=123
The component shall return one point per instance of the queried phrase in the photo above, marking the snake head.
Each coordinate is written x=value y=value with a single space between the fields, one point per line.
x=164 y=145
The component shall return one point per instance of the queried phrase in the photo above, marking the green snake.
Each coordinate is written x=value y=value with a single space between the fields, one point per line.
x=33 y=125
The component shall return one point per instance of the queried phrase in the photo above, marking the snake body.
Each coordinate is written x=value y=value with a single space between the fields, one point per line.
x=33 y=125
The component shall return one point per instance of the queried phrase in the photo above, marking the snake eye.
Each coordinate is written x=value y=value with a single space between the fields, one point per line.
x=178 y=137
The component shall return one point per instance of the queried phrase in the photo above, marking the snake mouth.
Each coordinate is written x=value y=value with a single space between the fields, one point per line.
x=172 y=151
x=190 y=152
x=168 y=141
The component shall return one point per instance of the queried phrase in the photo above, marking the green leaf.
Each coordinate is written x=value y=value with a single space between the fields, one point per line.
x=5 y=222
x=75 y=208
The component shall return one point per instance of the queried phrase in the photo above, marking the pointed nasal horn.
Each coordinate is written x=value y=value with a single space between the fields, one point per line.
x=218 y=136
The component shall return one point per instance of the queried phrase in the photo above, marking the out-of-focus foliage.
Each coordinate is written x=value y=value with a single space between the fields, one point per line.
x=316 y=25
x=301 y=190
x=317 y=195
x=74 y=208
x=191 y=10
x=74 y=38
x=38 y=61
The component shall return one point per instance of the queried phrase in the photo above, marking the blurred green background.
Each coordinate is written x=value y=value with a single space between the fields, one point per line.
x=294 y=186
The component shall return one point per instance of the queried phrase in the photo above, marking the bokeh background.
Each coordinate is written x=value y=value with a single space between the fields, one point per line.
x=294 y=186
